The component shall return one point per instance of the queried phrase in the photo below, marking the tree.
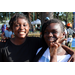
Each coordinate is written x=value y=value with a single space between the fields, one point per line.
x=5 y=15
x=26 y=13
x=64 y=16
x=46 y=14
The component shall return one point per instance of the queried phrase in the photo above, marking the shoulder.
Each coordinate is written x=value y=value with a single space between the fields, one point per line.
x=71 y=52
x=2 y=44
x=6 y=31
x=68 y=50
x=33 y=38
x=68 y=29
x=34 y=41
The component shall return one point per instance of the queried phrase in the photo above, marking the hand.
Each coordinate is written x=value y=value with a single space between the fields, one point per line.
x=4 y=39
x=53 y=49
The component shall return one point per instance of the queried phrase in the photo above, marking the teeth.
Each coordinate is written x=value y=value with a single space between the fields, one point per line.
x=21 y=32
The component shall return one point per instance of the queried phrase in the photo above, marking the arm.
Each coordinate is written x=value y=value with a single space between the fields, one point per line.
x=71 y=52
x=53 y=52
x=54 y=48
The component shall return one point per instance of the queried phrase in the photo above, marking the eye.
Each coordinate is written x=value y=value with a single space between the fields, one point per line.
x=46 y=32
x=17 y=25
x=24 y=25
x=54 y=31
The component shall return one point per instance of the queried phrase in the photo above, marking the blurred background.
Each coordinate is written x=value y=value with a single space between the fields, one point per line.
x=37 y=19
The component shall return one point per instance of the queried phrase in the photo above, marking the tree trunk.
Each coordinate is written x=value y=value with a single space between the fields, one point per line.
x=26 y=13
x=58 y=15
x=67 y=17
x=44 y=15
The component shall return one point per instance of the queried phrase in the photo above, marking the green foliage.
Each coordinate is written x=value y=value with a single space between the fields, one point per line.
x=6 y=16
x=64 y=16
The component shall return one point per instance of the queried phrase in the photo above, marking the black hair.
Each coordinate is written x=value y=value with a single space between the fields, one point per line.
x=15 y=17
x=48 y=23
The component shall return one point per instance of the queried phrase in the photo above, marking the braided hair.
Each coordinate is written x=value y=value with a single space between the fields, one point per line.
x=14 y=18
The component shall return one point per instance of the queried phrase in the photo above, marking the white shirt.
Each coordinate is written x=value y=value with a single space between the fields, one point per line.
x=46 y=56
x=69 y=39
x=65 y=31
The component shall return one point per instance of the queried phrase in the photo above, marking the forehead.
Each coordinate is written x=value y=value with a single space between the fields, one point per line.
x=53 y=26
x=22 y=19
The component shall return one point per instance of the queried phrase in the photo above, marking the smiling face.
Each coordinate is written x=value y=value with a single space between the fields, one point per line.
x=52 y=33
x=21 y=28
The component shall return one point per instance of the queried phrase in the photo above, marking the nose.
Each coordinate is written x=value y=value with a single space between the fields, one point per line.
x=21 y=27
x=50 y=34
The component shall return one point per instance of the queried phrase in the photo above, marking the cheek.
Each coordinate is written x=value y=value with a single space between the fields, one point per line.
x=15 y=28
x=57 y=35
x=27 y=28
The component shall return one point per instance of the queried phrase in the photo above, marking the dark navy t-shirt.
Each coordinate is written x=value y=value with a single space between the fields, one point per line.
x=19 y=53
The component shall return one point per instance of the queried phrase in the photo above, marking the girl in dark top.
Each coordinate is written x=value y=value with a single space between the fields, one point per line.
x=20 y=48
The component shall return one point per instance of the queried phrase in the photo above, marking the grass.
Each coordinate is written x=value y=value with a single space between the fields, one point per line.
x=73 y=48
x=37 y=34
x=0 y=38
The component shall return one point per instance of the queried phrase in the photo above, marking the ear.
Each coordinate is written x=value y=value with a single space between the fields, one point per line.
x=63 y=35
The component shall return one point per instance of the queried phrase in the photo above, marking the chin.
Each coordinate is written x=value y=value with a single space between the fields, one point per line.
x=22 y=37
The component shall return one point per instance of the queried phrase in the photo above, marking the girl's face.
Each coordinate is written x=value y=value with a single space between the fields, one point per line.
x=21 y=29
x=52 y=33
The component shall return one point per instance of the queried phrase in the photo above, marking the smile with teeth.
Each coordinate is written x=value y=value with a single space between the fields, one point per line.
x=21 y=32
x=51 y=39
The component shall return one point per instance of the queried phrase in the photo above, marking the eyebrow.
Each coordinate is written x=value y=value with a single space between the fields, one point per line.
x=52 y=29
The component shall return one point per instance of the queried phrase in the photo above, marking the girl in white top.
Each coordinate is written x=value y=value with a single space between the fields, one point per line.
x=52 y=34
x=46 y=56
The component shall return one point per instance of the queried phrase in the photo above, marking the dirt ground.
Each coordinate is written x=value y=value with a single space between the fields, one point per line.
x=37 y=34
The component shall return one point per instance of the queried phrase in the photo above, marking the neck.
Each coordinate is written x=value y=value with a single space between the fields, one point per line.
x=61 y=51
x=18 y=41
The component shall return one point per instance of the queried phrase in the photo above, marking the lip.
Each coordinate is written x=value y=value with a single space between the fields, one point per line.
x=51 y=39
x=21 y=32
